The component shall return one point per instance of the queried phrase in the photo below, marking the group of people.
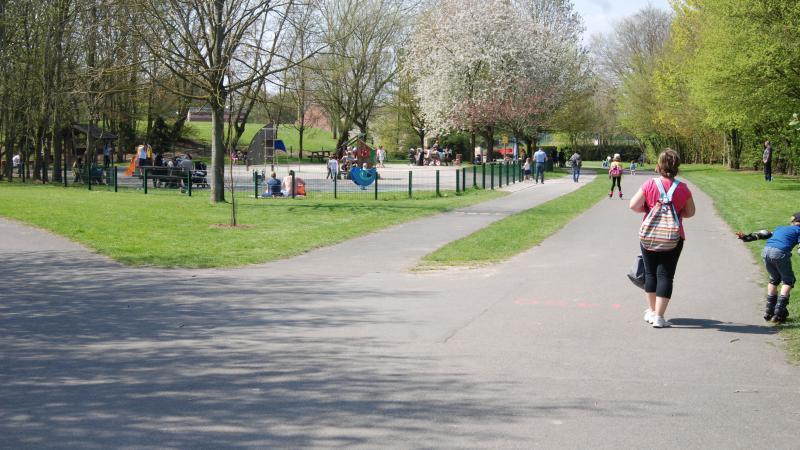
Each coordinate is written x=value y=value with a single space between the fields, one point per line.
x=290 y=186
x=147 y=157
x=666 y=193
x=433 y=156
x=535 y=166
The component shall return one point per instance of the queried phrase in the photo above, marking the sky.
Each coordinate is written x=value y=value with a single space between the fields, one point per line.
x=599 y=15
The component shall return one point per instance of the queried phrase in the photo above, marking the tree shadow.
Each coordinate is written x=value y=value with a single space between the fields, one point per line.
x=727 y=327
x=96 y=355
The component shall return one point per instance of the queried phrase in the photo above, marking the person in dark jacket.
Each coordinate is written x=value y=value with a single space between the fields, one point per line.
x=767 y=158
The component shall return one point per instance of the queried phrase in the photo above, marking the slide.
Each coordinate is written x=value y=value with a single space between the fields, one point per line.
x=132 y=167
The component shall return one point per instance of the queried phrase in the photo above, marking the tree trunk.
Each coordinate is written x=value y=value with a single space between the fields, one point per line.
x=217 y=152
x=9 y=145
x=300 y=132
x=58 y=149
x=489 y=135
x=734 y=149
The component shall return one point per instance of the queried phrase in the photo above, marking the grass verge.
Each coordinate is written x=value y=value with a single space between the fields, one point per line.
x=748 y=203
x=166 y=229
x=517 y=233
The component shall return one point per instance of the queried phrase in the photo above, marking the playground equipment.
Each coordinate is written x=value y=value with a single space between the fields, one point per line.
x=264 y=147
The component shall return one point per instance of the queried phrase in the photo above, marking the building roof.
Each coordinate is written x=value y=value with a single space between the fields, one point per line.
x=97 y=132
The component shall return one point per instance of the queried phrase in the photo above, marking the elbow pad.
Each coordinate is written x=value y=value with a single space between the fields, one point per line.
x=763 y=234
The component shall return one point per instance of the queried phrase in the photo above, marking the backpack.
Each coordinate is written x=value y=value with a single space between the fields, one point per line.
x=661 y=228
x=616 y=171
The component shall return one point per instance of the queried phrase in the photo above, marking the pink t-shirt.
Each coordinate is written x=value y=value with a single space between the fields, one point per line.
x=681 y=195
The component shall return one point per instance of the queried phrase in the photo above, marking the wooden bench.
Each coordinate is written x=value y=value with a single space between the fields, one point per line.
x=322 y=156
x=168 y=176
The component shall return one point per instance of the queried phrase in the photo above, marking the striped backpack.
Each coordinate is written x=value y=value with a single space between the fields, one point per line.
x=661 y=228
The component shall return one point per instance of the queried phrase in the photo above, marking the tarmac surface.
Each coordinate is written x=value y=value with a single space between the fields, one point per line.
x=345 y=347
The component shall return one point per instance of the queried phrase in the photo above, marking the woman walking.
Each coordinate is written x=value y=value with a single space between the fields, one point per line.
x=659 y=266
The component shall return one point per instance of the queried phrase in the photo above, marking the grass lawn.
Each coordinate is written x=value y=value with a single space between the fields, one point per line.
x=167 y=229
x=313 y=138
x=748 y=203
x=519 y=232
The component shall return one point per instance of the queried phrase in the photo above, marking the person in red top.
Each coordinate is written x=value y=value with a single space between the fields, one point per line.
x=660 y=267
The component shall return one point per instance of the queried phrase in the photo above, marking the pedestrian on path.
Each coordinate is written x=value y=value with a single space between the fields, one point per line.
x=767 y=158
x=777 y=256
x=615 y=173
x=526 y=169
x=575 y=162
x=540 y=157
x=660 y=266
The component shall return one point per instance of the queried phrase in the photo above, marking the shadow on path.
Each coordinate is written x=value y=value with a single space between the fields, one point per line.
x=727 y=327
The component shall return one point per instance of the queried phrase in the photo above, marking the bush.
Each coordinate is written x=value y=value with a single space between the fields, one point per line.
x=600 y=152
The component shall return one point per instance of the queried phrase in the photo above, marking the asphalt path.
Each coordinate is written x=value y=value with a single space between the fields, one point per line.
x=345 y=347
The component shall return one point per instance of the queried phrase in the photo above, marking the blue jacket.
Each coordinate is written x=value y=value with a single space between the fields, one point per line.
x=784 y=238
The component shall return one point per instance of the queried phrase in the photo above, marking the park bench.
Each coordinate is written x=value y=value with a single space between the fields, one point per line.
x=173 y=177
x=95 y=174
x=322 y=156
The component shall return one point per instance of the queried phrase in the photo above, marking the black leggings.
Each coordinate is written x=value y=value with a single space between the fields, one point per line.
x=618 y=182
x=659 y=270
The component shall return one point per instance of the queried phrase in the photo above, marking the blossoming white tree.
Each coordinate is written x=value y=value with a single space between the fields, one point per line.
x=483 y=64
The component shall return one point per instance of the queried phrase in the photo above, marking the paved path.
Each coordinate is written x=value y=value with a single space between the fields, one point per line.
x=548 y=350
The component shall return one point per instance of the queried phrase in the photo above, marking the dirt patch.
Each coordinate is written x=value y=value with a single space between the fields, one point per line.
x=226 y=225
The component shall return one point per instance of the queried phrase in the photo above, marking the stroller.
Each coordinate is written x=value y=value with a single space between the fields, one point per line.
x=200 y=174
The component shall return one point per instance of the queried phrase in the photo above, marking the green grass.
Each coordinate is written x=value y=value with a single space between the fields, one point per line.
x=748 y=203
x=517 y=233
x=166 y=229
x=313 y=138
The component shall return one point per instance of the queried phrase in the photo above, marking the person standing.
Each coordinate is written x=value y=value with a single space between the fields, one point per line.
x=381 y=155
x=539 y=158
x=767 y=158
x=333 y=168
x=526 y=169
x=141 y=154
x=659 y=266
x=575 y=161
x=615 y=173
x=106 y=155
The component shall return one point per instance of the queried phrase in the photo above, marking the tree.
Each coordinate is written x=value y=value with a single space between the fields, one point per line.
x=210 y=45
x=476 y=78
x=363 y=38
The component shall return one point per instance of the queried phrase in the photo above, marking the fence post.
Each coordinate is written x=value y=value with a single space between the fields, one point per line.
x=508 y=166
x=483 y=169
x=116 y=186
x=294 y=187
x=189 y=183
x=491 y=168
x=463 y=179
x=410 y=173
x=458 y=182
x=335 y=183
x=474 y=176
x=255 y=183
x=145 y=181
x=376 y=184
x=65 y=168
x=500 y=174
x=437 y=183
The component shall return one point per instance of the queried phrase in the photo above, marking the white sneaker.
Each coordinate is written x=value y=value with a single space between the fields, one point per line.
x=660 y=322
x=649 y=315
